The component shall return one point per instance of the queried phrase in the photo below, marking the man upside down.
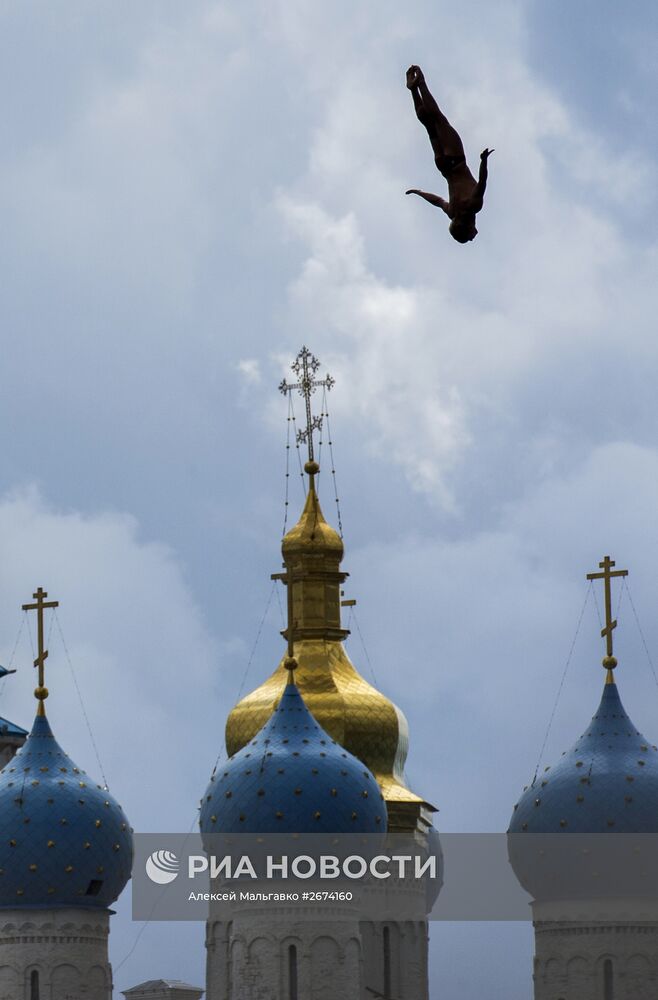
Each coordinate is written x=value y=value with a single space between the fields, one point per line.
x=466 y=195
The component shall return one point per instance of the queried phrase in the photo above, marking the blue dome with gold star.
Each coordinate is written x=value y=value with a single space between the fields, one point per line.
x=607 y=781
x=293 y=778
x=64 y=841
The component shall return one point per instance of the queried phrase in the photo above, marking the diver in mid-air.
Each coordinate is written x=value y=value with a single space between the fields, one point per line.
x=466 y=194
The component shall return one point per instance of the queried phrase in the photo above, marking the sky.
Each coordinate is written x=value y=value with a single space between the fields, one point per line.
x=189 y=193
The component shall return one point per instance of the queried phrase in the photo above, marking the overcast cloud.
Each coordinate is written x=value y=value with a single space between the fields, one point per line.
x=188 y=194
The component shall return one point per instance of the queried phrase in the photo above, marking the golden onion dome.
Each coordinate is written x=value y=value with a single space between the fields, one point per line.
x=358 y=716
x=312 y=534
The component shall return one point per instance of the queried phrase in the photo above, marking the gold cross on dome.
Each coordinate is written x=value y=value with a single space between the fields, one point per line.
x=608 y=573
x=305 y=366
x=41 y=692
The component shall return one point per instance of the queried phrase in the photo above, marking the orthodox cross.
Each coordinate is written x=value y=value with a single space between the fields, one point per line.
x=305 y=366
x=610 y=624
x=41 y=692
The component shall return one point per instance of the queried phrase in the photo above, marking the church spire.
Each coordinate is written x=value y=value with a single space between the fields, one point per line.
x=355 y=714
x=312 y=550
x=609 y=662
x=41 y=691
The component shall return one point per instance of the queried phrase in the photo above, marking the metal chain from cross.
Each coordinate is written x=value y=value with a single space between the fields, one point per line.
x=41 y=692
x=609 y=661
x=305 y=366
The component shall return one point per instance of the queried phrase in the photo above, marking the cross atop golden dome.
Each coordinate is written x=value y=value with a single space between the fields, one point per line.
x=305 y=367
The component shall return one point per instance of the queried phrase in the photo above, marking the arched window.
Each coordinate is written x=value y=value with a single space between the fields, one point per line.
x=387 y=961
x=34 y=986
x=292 y=973
x=608 y=980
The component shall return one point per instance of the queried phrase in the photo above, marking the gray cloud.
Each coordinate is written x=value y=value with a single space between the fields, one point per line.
x=188 y=194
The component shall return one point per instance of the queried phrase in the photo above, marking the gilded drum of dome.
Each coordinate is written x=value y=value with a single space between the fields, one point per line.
x=354 y=713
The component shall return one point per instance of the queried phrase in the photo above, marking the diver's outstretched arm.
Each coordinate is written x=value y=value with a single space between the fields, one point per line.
x=482 y=178
x=433 y=199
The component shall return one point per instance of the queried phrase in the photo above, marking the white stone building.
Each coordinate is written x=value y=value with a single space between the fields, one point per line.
x=163 y=989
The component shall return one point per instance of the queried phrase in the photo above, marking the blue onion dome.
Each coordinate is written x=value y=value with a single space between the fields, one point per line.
x=64 y=841
x=293 y=778
x=606 y=783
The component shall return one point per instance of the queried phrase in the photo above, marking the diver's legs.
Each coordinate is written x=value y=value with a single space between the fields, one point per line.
x=444 y=138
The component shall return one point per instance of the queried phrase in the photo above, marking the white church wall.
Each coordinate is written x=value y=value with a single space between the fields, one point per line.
x=595 y=960
x=67 y=949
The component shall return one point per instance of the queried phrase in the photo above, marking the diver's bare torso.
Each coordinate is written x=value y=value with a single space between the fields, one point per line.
x=464 y=194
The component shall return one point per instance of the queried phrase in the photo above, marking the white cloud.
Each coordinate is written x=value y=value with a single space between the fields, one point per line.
x=485 y=623
x=407 y=411
x=249 y=368
x=140 y=649
x=146 y=664
x=440 y=358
